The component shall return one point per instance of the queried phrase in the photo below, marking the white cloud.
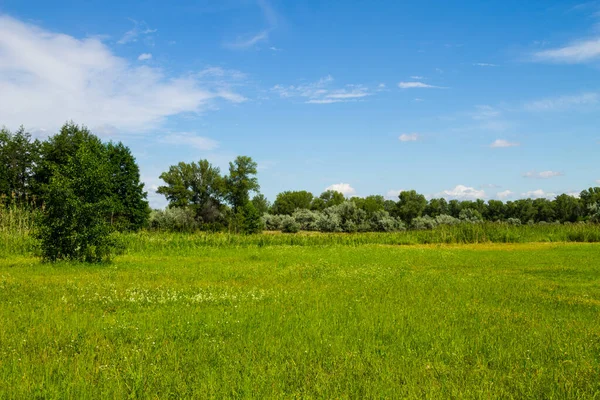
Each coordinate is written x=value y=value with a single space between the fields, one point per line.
x=47 y=78
x=343 y=188
x=542 y=175
x=393 y=194
x=145 y=56
x=320 y=92
x=418 y=100
x=190 y=140
x=273 y=48
x=505 y=194
x=417 y=85
x=576 y=52
x=417 y=77
x=461 y=192
x=484 y=65
x=245 y=42
x=409 y=137
x=139 y=29
x=501 y=143
x=538 y=194
x=598 y=181
x=563 y=102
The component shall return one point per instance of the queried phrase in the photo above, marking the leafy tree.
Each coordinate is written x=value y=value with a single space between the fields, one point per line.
x=198 y=186
x=130 y=208
x=287 y=202
x=495 y=211
x=331 y=198
x=544 y=210
x=73 y=225
x=454 y=208
x=251 y=219
x=241 y=181
x=261 y=204
x=18 y=158
x=589 y=197
x=568 y=208
x=410 y=205
x=436 y=207
x=370 y=204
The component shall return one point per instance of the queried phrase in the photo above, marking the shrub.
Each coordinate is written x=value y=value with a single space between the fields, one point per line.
x=446 y=220
x=423 y=223
x=307 y=219
x=381 y=221
x=272 y=222
x=470 y=215
x=73 y=225
x=329 y=221
x=173 y=219
x=289 y=224
x=251 y=220
x=513 y=221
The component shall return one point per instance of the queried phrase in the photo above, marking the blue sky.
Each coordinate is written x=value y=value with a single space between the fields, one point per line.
x=461 y=99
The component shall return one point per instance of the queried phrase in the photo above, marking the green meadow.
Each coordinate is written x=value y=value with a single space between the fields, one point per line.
x=304 y=316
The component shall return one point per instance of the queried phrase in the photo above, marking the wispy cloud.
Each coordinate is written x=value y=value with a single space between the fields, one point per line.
x=343 y=188
x=417 y=77
x=542 y=175
x=145 y=57
x=409 y=137
x=248 y=41
x=501 y=143
x=322 y=92
x=563 y=102
x=576 y=52
x=418 y=85
x=393 y=194
x=484 y=65
x=132 y=35
x=47 y=78
x=190 y=139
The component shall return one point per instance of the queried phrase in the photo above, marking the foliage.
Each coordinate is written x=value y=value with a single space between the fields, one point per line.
x=288 y=202
x=307 y=219
x=173 y=219
x=410 y=205
x=251 y=219
x=289 y=224
x=73 y=225
x=18 y=157
x=261 y=204
x=241 y=181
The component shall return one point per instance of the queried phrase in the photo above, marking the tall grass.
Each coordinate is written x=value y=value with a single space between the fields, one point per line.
x=16 y=227
x=174 y=243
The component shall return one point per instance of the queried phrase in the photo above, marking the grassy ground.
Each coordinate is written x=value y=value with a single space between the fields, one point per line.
x=337 y=321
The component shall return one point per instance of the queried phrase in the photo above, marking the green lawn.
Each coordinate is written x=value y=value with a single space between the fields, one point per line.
x=367 y=321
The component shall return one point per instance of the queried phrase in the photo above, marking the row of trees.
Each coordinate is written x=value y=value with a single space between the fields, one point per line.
x=411 y=205
x=88 y=188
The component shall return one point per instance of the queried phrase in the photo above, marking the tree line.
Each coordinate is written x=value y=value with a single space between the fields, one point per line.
x=85 y=189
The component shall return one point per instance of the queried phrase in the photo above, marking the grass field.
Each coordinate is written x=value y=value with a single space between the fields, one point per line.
x=311 y=321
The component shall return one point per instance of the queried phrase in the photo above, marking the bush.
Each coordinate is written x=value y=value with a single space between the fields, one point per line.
x=470 y=215
x=513 y=221
x=446 y=220
x=272 y=222
x=73 y=225
x=289 y=224
x=307 y=219
x=381 y=221
x=423 y=223
x=173 y=219
x=330 y=221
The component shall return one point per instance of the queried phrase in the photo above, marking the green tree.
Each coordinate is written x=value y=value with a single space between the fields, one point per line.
x=436 y=207
x=73 y=225
x=567 y=208
x=544 y=210
x=18 y=158
x=198 y=186
x=330 y=198
x=261 y=204
x=130 y=208
x=495 y=211
x=241 y=181
x=370 y=204
x=251 y=219
x=410 y=205
x=287 y=202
